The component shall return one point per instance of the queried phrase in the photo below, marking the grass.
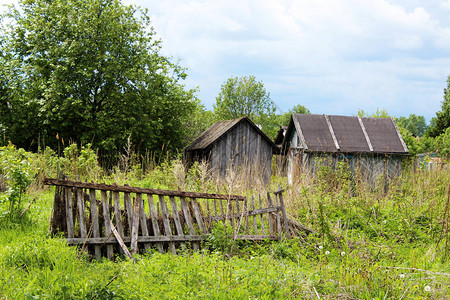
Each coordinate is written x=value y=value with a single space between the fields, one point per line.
x=368 y=244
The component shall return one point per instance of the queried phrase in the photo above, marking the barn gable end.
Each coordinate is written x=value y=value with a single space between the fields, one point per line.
x=237 y=145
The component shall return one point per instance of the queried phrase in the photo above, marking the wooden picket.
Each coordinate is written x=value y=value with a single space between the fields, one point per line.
x=170 y=218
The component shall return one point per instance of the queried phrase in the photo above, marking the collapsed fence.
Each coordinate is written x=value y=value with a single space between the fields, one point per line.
x=103 y=218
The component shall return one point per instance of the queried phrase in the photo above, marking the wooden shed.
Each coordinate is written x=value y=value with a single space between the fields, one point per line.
x=374 y=146
x=237 y=145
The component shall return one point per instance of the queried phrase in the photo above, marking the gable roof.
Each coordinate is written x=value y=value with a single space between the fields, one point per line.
x=218 y=129
x=324 y=133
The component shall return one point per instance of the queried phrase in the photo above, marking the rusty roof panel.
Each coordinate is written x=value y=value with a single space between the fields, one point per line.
x=349 y=134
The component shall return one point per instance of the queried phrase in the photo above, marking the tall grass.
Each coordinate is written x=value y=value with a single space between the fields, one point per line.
x=369 y=243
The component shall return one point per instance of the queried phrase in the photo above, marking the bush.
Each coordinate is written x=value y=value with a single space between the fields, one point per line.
x=16 y=171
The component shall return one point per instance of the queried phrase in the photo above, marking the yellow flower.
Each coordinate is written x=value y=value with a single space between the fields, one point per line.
x=416 y=286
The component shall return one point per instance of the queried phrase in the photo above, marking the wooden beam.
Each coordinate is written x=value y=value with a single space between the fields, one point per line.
x=130 y=189
x=160 y=239
x=365 y=134
x=336 y=144
x=121 y=242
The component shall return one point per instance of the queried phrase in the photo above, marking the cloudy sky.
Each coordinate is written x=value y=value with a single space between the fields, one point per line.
x=332 y=56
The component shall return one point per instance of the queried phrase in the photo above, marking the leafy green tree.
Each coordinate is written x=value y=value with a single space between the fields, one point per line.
x=199 y=121
x=443 y=116
x=286 y=117
x=243 y=97
x=443 y=144
x=380 y=113
x=90 y=71
x=414 y=124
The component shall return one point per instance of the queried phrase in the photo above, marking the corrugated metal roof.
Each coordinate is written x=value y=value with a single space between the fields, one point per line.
x=323 y=133
x=218 y=129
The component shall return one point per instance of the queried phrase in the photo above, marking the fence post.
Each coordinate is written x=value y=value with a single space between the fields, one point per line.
x=283 y=211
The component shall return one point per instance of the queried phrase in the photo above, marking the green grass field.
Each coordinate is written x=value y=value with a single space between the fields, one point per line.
x=369 y=244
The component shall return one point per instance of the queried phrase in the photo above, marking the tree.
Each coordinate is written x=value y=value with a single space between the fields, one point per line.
x=414 y=124
x=380 y=113
x=443 y=116
x=286 y=117
x=243 y=96
x=90 y=71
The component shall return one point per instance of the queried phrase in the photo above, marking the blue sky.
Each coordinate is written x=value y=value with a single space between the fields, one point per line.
x=332 y=56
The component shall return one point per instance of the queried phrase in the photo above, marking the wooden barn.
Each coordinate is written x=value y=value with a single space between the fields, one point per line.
x=237 y=145
x=374 y=146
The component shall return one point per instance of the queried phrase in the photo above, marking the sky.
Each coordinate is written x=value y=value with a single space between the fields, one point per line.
x=332 y=56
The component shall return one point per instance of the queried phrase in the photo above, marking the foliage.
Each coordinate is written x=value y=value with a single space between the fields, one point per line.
x=411 y=141
x=15 y=170
x=276 y=120
x=91 y=72
x=221 y=239
x=414 y=124
x=198 y=122
x=380 y=113
x=286 y=117
x=367 y=244
x=443 y=144
x=244 y=97
x=443 y=116
x=80 y=162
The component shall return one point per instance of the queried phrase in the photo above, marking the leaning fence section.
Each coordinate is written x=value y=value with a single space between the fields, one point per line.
x=107 y=219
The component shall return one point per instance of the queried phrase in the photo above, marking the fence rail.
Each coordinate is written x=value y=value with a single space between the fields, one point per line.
x=101 y=216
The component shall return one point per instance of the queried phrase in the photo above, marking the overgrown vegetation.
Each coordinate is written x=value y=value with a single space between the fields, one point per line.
x=368 y=243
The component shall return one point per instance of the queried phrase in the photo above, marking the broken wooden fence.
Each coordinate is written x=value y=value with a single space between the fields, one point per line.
x=143 y=217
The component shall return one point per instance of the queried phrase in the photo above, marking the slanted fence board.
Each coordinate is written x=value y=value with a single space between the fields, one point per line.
x=154 y=220
x=107 y=218
x=166 y=222
x=69 y=212
x=188 y=219
x=142 y=219
x=255 y=225
x=261 y=214
x=94 y=221
x=174 y=217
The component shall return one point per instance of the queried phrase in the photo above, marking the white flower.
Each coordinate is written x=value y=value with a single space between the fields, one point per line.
x=320 y=247
x=402 y=275
x=252 y=257
x=427 y=288
x=342 y=253
x=327 y=252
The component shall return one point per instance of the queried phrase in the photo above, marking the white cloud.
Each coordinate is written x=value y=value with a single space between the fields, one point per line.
x=329 y=54
x=334 y=56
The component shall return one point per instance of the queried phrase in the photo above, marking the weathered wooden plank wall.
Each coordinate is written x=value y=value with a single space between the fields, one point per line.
x=241 y=149
x=370 y=168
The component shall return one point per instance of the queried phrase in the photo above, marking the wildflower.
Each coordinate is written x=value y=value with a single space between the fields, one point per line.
x=252 y=257
x=327 y=252
x=416 y=286
x=427 y=288
x=400 y=288
x=402 y=275
x=342 y=253
x=320 y=247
